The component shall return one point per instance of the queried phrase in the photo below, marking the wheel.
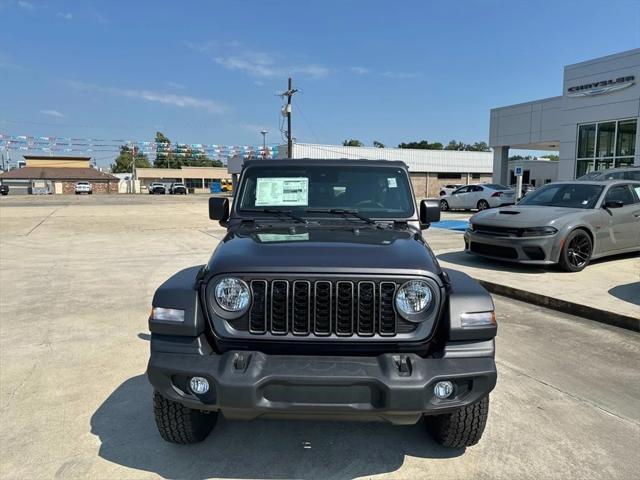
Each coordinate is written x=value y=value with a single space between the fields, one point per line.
x=462 y=428
x=483 y=205
x=577 y=251
x=444 y=205
x=179 y=424
x=90 y=193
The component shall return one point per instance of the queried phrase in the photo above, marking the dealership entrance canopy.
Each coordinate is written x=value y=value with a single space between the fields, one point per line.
x=593 y=124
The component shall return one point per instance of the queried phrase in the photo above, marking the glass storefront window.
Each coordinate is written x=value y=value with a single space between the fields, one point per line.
x=584 y=167
x=605 y=145
x=193 y=183
x=586 y=141
x=626 y=143
x=606 y=139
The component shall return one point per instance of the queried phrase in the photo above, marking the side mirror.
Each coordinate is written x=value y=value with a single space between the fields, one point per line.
x=429 y=213
x=219 y=209
x=613 y=204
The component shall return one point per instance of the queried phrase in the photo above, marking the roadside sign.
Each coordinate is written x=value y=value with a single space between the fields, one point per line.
x=518 y=171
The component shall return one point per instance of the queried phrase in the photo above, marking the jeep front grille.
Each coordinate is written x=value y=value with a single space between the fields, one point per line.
x=323 y=308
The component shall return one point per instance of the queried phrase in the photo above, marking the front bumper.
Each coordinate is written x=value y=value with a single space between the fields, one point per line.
x=529 y=250
x=393 y=387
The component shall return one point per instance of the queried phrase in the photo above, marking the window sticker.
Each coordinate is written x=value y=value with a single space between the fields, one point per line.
x=276 y=237
x=285 y=191
x=392 y=182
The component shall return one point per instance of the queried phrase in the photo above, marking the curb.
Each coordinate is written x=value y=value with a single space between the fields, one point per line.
x=602 y=316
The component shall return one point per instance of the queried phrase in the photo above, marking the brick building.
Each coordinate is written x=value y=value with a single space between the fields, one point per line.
x=57 y=174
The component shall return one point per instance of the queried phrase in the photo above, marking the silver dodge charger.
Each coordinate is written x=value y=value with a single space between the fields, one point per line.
x=568 y=223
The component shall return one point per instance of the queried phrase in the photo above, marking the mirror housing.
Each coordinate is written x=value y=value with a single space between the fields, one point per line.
x=429 y=213
x=219 y=209
x=613 y=204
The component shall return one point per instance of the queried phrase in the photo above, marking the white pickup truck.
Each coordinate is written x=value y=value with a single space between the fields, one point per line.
x=84 y=187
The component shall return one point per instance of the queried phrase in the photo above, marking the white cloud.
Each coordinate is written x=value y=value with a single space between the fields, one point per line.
x=400 y=75
x=360 y=70
x=66 y=16
x=52 y=113
x=182 y=101
x=177 y=85
x=261 y=64
x=26 y=5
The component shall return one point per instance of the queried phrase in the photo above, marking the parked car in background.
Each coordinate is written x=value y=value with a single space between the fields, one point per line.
x=4 y=189
x=177 y=189
x=84 y=187
x=631 y=173
x=526 y=188
x=481 y=197
x=447 y=189
x=157 y=188
x=568 y=223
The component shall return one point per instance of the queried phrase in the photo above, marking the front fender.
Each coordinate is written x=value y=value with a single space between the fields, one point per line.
x=180 y=291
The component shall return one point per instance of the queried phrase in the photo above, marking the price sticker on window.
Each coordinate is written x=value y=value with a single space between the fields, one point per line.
x=282 y=191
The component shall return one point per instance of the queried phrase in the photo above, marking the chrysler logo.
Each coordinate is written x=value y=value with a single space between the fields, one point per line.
x=605 y=86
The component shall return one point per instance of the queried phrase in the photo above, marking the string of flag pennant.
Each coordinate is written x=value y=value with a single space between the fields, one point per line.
x=51 y=144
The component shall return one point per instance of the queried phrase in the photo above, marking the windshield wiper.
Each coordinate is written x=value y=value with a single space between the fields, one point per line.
x=344 y=212
x=279 y=212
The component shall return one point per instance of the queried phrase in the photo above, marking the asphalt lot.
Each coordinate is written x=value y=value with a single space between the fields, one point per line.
x=76 y=279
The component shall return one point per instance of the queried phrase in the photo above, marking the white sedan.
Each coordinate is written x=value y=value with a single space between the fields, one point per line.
x=480 y=197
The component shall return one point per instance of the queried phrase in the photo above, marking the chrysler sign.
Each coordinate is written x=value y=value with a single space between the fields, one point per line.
x=605 y=86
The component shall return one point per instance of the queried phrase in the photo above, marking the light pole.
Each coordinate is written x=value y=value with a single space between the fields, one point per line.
x=264 y=143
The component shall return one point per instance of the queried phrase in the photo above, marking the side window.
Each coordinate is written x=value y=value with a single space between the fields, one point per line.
x=620 y=193
x=636 y=191
x=462 y=190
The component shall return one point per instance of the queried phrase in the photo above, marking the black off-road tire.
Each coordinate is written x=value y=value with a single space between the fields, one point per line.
x=462 y=428
x=179 y=424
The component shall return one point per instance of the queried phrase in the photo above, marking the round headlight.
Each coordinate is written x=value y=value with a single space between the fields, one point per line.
x=413 y=297
x=232 y=294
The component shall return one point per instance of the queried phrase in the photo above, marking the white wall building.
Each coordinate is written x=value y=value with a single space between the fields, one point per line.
x=593 y=124
x=536 y=172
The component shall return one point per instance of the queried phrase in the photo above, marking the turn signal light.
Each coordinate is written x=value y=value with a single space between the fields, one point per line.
x=167 y=314
x=478 y=319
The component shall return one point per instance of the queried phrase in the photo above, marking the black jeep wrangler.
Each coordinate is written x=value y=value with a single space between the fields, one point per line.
x=323 y=301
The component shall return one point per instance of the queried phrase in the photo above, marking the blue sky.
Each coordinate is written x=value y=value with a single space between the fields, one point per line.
x=208 y=71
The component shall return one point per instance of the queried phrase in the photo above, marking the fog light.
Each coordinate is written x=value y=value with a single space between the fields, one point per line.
x=443 y=390
x=199 y=385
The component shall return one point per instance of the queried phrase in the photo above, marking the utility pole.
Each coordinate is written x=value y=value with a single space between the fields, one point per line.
x=264 y=143
x=133 y=168
x=289 y=93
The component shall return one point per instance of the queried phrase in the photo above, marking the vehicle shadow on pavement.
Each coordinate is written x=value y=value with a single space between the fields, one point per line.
x=255 y=449
x=629 y=292
x=466 y=260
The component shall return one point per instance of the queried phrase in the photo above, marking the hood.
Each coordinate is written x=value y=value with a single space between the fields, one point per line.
x=524 y=216
x=323 y=249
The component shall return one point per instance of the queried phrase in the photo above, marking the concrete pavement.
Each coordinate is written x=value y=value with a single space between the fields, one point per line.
x=76 y=282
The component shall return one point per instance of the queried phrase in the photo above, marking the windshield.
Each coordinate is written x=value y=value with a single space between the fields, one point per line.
x=381 y=192
x=569 y=195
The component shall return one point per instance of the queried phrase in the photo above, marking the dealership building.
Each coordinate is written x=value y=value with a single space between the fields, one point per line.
x=593 y=124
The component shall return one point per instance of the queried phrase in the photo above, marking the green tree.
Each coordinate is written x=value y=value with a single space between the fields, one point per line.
x=479 y=147
x=353 y=143
x=165 y=157
x=455 y=145
x=555 y=158
x=422 y=145
x=122 y=163
x=378 y=144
